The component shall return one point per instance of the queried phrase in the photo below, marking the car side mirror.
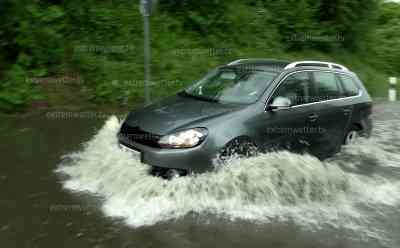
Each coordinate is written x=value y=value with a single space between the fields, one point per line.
x=280 y=103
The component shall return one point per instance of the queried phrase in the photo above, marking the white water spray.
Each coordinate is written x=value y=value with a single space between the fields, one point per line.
x=270 y=187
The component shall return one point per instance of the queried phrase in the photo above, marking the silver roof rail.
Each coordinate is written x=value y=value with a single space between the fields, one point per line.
x=315 y=63
x=237 y=61
x=258 y=60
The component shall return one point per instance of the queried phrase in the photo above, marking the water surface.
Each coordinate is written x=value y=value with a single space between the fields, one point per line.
x=65 y=183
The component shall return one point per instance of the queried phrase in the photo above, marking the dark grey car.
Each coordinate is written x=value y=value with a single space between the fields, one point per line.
x=247 y=106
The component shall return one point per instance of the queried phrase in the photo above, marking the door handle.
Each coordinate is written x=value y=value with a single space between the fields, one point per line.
x=347 y=111
x=313 y=117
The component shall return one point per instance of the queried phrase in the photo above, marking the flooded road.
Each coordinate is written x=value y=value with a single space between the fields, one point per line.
x=65 y=183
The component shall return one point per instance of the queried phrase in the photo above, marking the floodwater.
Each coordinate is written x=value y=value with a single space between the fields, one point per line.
x=65 y=183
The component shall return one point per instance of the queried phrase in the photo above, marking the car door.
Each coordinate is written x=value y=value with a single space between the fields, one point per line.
x=288 y=128
x=332 y=114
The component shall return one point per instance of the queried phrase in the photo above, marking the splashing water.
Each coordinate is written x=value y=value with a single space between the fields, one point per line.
x=271 y=187
x=265 y=188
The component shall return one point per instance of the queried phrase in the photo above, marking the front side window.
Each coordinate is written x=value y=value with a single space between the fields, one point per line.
x=327 y=86
x=232 y=86
x=349 y=86
x=296 y=87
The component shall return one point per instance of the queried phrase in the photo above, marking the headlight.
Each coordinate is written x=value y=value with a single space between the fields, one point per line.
x=184 y=139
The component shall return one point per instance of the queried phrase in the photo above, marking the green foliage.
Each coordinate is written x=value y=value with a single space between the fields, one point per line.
x=200 y=16
x=295 y=20
x=387 y=35
x=107 y=50
x=40 y=35
x=102 y=42
x=16 y=90
x=35 y=42
x=351 y=19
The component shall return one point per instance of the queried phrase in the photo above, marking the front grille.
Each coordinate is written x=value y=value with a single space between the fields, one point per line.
x=128 y=135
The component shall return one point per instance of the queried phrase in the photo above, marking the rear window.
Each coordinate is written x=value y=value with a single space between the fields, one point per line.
x=349 y=85
x=327 y=86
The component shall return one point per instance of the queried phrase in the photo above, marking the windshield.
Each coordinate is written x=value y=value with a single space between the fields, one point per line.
x=232 y=86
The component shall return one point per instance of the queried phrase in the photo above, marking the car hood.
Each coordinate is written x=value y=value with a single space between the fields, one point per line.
x=176 y=112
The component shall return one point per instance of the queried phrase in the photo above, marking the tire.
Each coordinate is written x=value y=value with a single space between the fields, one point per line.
x=352 y=135
x=238 y=148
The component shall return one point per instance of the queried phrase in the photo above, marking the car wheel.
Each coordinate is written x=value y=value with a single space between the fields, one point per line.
x=352 y=135
x=238 y=148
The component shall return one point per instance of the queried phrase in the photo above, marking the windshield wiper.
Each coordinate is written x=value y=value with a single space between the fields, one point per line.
x=203 y=98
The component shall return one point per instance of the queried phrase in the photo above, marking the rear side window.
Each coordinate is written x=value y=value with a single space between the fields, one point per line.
x=349 y=85
x=327 y=86
x=312 y=64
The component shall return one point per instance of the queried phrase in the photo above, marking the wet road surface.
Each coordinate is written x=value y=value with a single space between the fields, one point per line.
x=64 y=183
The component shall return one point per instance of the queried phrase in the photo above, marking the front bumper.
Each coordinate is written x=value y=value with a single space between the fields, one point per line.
x=197 y=159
